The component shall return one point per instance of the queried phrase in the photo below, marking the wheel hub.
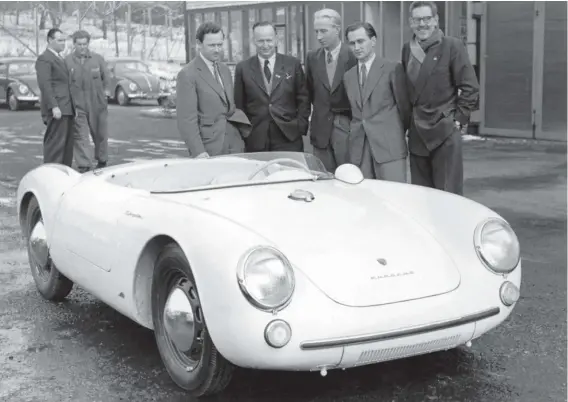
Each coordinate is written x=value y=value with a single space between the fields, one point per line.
x=179 y=320
x=38 y=245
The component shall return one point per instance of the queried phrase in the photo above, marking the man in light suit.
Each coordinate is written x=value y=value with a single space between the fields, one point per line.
x=207 y=119
x=331 y=111
x=57 y=109
x=271 y=90
x=380 y=109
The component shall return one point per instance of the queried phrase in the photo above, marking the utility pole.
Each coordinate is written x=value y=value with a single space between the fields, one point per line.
x=115 y=28
x=128 y=28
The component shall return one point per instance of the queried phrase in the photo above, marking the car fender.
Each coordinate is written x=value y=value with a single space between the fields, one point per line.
x=47 y=183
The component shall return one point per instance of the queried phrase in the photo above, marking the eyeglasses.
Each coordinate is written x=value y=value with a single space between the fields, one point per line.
x=418 y=20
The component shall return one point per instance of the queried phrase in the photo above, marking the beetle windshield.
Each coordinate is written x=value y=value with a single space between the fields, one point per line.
x=129 y=66
x=21 y=68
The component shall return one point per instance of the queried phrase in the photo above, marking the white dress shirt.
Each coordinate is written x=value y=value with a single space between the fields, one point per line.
x=271 y=61
x=211 y=68
x=334 y=52
x=368 y=65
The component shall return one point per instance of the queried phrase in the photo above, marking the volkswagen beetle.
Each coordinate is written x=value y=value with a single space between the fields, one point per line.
x=268 y=261
x=18 y=82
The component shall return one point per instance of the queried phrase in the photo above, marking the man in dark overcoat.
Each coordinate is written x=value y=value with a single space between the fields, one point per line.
x=444 y=91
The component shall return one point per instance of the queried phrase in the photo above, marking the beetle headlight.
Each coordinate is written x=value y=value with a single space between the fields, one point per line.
x=23 y=89
x=132 y=86
x=497 y=246
x=266 y=278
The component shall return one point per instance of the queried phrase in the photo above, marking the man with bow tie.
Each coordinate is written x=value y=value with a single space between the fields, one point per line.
x=271 y=90
x=207 y=118
x=57 y=109
x=331 y=111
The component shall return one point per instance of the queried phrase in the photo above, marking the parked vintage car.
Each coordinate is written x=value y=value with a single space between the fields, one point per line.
x=133 y=79
x=268 y=261
x=18 y=82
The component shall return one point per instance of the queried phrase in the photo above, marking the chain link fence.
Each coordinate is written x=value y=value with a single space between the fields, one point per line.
x=151 y=31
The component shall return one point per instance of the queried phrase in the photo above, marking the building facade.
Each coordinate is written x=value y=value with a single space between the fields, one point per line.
x=518 y=49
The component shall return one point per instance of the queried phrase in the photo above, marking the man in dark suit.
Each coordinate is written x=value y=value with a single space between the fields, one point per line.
x=380 y=107
x=444 y=91
x=57 y=109
x=271 y=89
x=207 y=119
x=331 y=111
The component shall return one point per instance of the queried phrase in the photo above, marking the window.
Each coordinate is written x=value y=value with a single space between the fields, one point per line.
x=236 y=36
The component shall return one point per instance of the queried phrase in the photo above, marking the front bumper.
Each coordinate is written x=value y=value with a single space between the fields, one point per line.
x=148 y=96
x=27 y=98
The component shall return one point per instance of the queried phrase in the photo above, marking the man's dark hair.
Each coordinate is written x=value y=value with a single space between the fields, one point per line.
x=208 y=28
x=371 y=33
x=51 y=33
x=263 y=24
x=431 y=4
x=81 y=35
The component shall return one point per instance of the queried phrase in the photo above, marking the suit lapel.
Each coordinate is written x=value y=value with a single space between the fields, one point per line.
x=210 y=79
x=352 y=79
x=257 y=74
x=321 y=69
x=340 y=69
x=279 y=72
x=373 y=78
x=430 y=62
x=58 y=60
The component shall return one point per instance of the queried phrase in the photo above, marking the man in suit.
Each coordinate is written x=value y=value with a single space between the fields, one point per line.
x=331 y=111
x=57 y=109
x=207 y=119
x=271 y=89
x=90 y=87
x=444 y=91
x=380 y=108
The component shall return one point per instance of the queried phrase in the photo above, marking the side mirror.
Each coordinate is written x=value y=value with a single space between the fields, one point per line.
x=349 y=173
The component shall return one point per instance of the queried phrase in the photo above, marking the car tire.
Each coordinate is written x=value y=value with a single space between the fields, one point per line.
x=121 y=97
x=211 y=373
x=51 y=283
x=13 y=102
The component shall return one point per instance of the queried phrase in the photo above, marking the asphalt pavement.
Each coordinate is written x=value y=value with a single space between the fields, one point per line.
x=82 y=350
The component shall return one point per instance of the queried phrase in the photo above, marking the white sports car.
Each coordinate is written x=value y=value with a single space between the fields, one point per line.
x=268 y=261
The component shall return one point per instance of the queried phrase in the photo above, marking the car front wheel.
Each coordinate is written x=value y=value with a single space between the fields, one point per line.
x=51 y=283
x=13 y=102
x=185 y=346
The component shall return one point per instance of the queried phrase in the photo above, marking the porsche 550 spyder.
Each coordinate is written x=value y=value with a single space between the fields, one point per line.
x=268 y=261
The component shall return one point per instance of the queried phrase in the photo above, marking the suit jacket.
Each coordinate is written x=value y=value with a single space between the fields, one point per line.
x=203 y=108
x=327 y=100
x=380 y=112
x=53 y=81
x=287 y=105
x=434 y=97
x=88 y=81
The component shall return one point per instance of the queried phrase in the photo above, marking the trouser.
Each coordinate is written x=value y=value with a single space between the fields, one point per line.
x=335 y=154
x=442 y=168
x=58 y=141
x=390 y=171
x=277 y=141
x=97 y=126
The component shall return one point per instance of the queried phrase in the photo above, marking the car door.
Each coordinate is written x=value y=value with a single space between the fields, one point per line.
x=3 y=81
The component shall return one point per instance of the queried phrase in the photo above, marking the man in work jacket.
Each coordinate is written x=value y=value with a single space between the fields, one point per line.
x=89 y=83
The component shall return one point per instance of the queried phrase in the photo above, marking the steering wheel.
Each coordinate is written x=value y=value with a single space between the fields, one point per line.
x=292 y=161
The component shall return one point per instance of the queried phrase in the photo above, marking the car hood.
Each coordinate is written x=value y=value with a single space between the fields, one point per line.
x=145 y=81
x=29 y=80
x=354 y=245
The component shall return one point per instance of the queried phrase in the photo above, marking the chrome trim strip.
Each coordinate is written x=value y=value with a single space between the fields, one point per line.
x=399 y=333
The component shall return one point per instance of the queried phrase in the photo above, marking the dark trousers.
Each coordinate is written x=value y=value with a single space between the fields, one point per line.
x=442 y=168
x=277 y=141
x=95 y=125
x=58 y=141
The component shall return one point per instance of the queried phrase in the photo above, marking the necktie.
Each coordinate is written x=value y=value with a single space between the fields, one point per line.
x=363 y=75
x=267 y=72
x=217 y=75
x=329 y=58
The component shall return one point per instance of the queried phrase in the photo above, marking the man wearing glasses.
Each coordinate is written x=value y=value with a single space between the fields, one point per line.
x=443 y=90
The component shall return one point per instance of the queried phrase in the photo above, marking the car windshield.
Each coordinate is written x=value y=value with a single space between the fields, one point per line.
x=235 y=170
x=126 y=66
x=21 y=68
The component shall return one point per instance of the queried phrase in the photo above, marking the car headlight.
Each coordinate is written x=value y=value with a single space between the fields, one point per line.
x=23 y=89
x=266 y=278
x=132 y=86
x=497 y=246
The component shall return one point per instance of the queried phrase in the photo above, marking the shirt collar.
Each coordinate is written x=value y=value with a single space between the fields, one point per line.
x=208 y=62
x=334 y=52
x=271 y=59
x=54 y=52
x=368 y=63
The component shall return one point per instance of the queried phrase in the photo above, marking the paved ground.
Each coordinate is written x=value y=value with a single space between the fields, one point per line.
x=82 y=350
